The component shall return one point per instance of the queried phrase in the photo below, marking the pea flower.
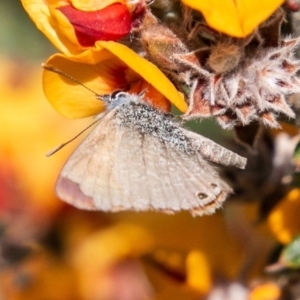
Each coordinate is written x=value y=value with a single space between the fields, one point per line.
x=74 y=25
x=116 y=68
x=85 y=32
x=235 y=18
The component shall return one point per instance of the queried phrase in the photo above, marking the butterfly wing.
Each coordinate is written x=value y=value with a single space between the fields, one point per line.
x=116 y=169
x=162 y=178
x=87 y=175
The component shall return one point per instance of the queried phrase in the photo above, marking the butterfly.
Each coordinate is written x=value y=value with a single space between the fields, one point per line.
x=138 y=158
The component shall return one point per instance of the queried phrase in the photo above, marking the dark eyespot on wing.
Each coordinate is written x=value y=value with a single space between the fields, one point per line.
x=209 y=207
x=202 y=196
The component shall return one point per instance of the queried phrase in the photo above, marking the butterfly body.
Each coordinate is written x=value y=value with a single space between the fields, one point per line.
x=138 y=158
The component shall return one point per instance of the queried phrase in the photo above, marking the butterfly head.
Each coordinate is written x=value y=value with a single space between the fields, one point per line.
x=119 y=97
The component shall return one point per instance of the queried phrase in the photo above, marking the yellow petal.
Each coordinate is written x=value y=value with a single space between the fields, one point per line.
x=284 y=220
x=266 y=291
x=101 y=252
x=148 y=71
x=92 y=5
x=25 y=113
x=44 y=272
x=198 y=272
x=54 y=25
x=178 y=232
x=106 y=247
x=237 y=18
x=56 y=3
x=70 y=98
x=101 y=70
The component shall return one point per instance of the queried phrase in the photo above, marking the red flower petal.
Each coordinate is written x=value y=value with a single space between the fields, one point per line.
x=108 y=24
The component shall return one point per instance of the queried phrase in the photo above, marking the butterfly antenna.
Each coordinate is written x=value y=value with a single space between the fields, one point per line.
x=58 y=71
x=51 y=152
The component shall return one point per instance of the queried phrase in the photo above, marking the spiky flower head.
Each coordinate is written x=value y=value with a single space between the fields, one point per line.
x=237 y=81
x=254 y=91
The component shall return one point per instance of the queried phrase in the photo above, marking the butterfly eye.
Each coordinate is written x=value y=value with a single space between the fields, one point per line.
x=116 y=95
x=115 y=99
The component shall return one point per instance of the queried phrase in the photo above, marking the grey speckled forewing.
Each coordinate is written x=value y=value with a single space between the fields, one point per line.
x=145 y=119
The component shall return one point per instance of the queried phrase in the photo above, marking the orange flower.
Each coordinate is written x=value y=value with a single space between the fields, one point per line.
x=39 y=273
x=73 y=25
x=284 y=220
x=79 y=29
x=199 y=274
x=107 y=266
x=265 y=291
x=236 y=18
x=25 y=113
x=107 y=67
x=239 y=240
